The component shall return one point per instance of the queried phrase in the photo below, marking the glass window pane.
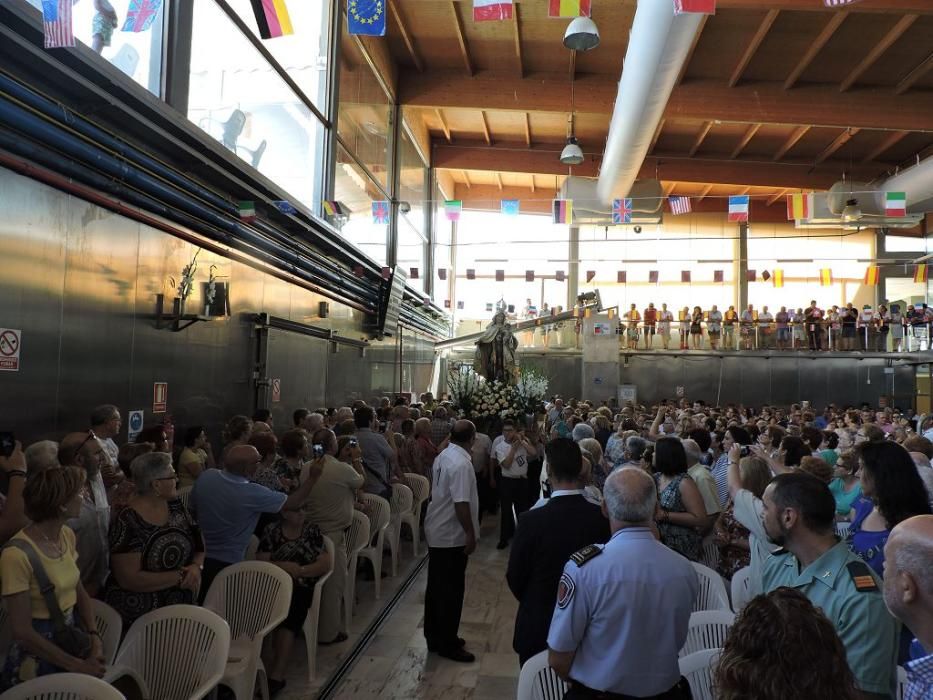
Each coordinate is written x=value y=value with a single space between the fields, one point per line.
x=356 y=191
x=412 y=173
x=904 y=244
x=237 y=98
x=302 y=54
x=411 y=247
x=364 y=118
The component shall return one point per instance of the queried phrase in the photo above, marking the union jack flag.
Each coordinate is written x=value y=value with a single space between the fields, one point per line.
x=381 y=212
x=56 y=23
x=622 y=211
x=141 y=14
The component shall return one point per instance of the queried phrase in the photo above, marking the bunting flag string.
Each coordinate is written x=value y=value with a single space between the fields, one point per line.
x=704 y=7
x=621 y=277
x=57 y=24
x=510 y=207
x=895 y=204
x=826 y=277
x=141 y=14
x=920 y=274
x=872 y=276
x=452 y=209
x=680 y=205
x=778 y=278
x=718 y=276
x=799 y=206
x=622 y=211
x=271 y=18
x=490 y=10
x=247 y=210
x=685 y=276
x=562 y=211
x=380 y=212
x=569 y=8
x=366 y=17
x=738 y=208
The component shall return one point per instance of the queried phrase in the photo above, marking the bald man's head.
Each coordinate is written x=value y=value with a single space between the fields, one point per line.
x=908 y=575
x=463 y=433
x=242 y=460
x=630 y=496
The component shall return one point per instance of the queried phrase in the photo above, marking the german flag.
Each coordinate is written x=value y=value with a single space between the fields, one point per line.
x=779 y=278
x=920 y=273
x=872 y=276
x=272 y=18
x=826 y=277
x=562 y=211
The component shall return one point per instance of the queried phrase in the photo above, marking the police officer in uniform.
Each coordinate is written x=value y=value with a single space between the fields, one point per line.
x=623 y=608
x=798 y=514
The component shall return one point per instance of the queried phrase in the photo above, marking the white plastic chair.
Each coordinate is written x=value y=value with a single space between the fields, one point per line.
x=401 y=503
x=538 y=681
x=712 y=595
x=110 y=627
x=709 y=553
x=741 y=588
x=64 y=686
x=901 y=683
x=357 y=538
x=253 y=597
x=697 y=668
x=421 y=491
x=179 y=652
x=314 y=613
x=707 y=629
x=251 y=548
x=184 y=495
x=842 y=529
x=379 y=515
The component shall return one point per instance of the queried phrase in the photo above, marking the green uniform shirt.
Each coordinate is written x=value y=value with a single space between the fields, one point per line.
x=853 y=603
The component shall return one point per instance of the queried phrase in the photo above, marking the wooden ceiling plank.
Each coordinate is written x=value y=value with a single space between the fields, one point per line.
x=821 y=40
x=753 y=45
x=499 y=181
x=527 y=129
x=444 y=126
x=516 y=12
x=745 y=191
x=486 y=134
x=706 y=191
x=907 y=82
x=461 y=39
x=668 y=188
x=466 y=179
x=748 y=136
x=657 y=135
x=791 y=141
x=922 y=7
x=701 y=137
x=407 y=38
x=776 y=196
x=888 y=142
x=836 y=144
x=895 y=33
x=693 y=47
x=532 y=182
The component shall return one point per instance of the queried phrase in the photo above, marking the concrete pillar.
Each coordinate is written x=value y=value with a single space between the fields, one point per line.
x=573 y=268
x=741 y=268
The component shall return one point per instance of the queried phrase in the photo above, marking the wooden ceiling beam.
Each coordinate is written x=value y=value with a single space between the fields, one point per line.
x=693 y=48
x=466 y=179
x=516 y=14
x=888 y=142
x=532 y=182
x=702 y=100
x=746 y=137
x=499 y=180
x=908 y=80
x=461 y=39
x=836 y=144
x=701 y=137
x=668 y=188
x=791 y=141
x=895 y=33
x=486 y=134
x=752 y=47
x=836 y=19
x=406 y=35
x=706 y=191
x=657 y=135
x=922 y=7
x=527 y=129
x=444 y=127
x=776 y=196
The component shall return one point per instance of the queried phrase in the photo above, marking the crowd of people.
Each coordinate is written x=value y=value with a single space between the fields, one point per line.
x=602 y=509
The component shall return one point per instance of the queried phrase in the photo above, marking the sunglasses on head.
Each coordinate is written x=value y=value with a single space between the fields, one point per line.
x=90 y=436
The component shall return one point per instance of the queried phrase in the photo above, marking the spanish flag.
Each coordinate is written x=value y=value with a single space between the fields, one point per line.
x=799 y=206
x=562 y=211
x=272 y=18
x=826 y=277
x=872 y=275
x=569 y=8
x=920 y=273
x=779 y=278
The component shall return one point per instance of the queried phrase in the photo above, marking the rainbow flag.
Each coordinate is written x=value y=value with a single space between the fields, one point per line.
x=920 y=274
x=778 y=278
x=562 y=210
x=799 y=206
x=872 y=275
x=569 y=8
x=826 y=277
x=895 y=204
x=272 y=18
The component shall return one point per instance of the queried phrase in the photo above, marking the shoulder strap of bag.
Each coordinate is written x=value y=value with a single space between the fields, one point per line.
x=46 y=587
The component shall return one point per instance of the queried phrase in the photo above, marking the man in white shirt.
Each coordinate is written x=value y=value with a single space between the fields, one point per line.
x=512 y=454
x=705 y=483
x=764 y=328
x=451 y=529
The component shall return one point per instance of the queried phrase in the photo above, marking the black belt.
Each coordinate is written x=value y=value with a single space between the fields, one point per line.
x=680 y=691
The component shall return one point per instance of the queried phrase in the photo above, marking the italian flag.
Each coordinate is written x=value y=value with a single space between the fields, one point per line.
x=895 y=204
x=488 y=10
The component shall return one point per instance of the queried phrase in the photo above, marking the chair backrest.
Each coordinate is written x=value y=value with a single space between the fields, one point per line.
x=251 y=548
x=741 y=588
x=358 y=536
x=252 y=596
x=420 y=489
x=329 y=548
x=538 y=681
x=842 y=529
x=709 y=553
x=708 y=629
x=110 y=628
x=712 y=595
x=402 y=499
x=901 y=683
x=64 y=686
x=697 y=668
x=185 y=495
x=180 y=651
x=379 y=513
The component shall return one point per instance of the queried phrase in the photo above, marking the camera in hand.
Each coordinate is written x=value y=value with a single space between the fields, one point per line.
x=745 y=451
x=318 y=451
x=7 y=444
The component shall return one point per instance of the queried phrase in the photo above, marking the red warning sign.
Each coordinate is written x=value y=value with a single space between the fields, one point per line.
x=10 y=342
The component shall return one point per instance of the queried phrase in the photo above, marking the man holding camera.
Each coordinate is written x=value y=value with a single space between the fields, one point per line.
x=512 y=454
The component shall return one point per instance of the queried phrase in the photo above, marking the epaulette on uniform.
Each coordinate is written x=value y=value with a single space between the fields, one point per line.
x=581 y=556
x=861 y=577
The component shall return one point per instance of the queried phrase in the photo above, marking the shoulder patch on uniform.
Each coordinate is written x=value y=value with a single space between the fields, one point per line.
x=565 y=590
x=581 y=556
x=861 y=577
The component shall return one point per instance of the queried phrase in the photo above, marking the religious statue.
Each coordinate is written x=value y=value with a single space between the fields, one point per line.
x=495 y=351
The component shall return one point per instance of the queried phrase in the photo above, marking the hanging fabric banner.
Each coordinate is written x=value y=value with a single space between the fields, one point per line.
x=367 y=17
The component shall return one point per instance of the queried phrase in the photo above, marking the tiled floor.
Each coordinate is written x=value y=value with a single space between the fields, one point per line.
x=396 y=663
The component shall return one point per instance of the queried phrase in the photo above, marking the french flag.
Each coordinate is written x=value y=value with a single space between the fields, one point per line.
x=738 y=208
x=488 y=10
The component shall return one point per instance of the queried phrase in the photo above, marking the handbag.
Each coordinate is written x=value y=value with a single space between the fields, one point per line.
x=68 y=637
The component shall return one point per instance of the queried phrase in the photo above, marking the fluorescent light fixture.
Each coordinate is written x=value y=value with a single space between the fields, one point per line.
x=725 y=260
x=796 y=260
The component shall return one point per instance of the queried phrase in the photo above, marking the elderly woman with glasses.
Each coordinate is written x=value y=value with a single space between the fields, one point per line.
x=156 y=550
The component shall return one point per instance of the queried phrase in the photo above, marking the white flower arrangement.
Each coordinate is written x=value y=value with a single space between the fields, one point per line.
x=478 y=398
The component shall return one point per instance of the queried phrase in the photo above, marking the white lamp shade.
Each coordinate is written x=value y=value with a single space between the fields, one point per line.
x=572 y=154
x=581 y=35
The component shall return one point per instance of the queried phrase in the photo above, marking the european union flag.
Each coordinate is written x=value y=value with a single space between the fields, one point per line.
x=366 y=17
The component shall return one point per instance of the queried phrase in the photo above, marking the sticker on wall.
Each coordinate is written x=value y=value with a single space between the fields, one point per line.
x=602 y=329
x=10 y=342
x=679 y=391
x=134 y=425
x=276 y=390
x=159 y=397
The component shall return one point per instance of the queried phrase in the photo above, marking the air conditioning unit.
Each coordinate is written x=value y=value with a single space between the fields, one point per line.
x=646 y=195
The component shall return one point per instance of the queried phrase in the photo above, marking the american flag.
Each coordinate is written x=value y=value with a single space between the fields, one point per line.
x=622 y=211
x=839 y=3
x=57 y=24
x=680 y=205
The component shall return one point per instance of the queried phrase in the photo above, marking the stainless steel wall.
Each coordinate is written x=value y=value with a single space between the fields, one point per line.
x=81 y=284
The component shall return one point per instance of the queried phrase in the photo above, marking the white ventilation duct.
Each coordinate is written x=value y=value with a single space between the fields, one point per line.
x=658 y=46
x=647 y=198
x=916 y=181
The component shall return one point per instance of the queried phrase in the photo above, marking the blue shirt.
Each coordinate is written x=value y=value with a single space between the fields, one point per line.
x=720 y=472
x=625 y=613
x=867 y=544
x=228 y=507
